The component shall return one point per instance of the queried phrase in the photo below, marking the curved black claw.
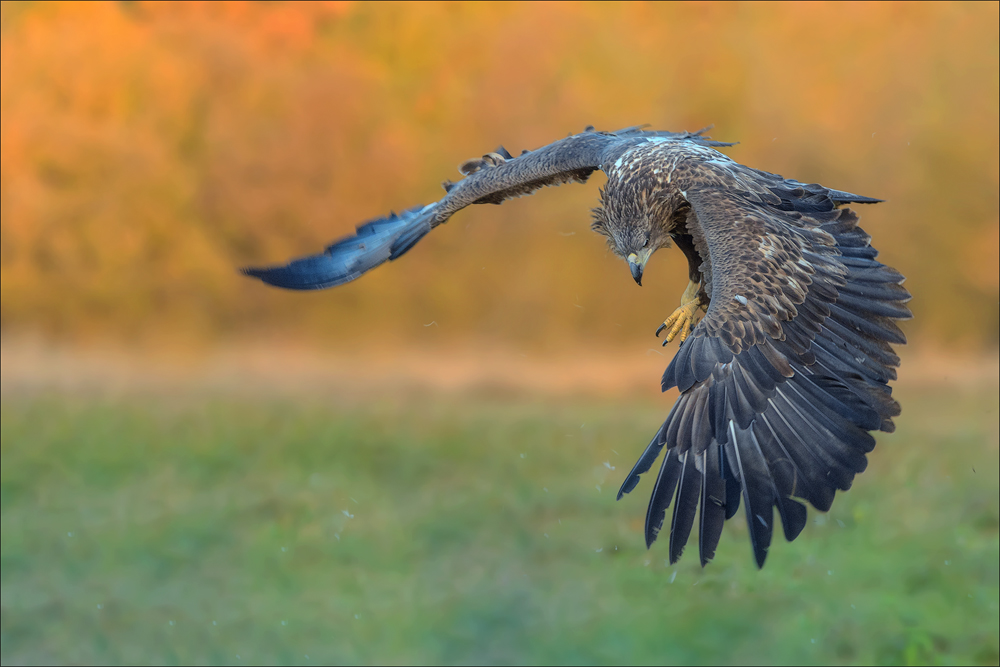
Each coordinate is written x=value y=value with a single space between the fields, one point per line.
x=659 y=330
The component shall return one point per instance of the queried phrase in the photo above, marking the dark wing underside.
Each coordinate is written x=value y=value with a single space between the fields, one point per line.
x=787 y=372
x=491 y=180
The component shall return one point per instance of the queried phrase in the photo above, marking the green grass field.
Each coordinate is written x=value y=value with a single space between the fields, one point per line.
x=175 y=529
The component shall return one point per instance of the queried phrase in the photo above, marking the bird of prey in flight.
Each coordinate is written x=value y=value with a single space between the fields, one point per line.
x=788 y=369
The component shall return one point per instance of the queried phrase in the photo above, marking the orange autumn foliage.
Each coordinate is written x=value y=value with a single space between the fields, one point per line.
x=148 y=150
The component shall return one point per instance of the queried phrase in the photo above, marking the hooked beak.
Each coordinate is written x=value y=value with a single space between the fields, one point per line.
x=636 y=265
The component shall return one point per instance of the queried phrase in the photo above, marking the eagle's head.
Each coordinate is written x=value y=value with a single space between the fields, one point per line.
x=634 y=231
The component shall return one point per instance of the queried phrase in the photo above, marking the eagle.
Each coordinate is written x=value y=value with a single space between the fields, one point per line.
x=786 y=326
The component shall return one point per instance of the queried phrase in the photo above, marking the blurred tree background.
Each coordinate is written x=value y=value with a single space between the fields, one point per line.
x=148 y=150
x=419 y=467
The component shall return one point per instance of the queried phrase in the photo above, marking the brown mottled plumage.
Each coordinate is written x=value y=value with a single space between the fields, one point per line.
x=788 y=370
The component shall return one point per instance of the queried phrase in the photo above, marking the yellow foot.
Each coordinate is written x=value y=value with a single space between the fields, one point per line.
x=682 y=319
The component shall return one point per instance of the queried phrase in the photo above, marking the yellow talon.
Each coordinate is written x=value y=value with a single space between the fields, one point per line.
x=682 y=319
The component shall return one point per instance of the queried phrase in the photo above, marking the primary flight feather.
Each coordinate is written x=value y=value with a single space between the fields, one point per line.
x=782 y=378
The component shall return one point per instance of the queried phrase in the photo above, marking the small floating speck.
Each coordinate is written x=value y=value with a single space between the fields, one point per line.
x=284 y=622
x=830 y=572
x=673 y=576
x=100 y=606
x=345 y=513
x=599 y=550
x=357 y=616
x=607 y=464
x=284 y=549
x=171 y=622
x=524 y=456
x=598 y=487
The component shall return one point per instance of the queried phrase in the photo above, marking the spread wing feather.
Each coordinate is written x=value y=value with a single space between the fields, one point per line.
x=492 y=179
x=787 y=372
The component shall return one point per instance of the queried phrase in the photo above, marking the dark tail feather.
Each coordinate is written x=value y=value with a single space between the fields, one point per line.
x=685 y=507
x=758 y=494
x=663 y=492
x=647 y=459
x=713 y=504
x=374 y=242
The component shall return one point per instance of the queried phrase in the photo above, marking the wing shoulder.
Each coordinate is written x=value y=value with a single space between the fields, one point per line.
x=499 y=176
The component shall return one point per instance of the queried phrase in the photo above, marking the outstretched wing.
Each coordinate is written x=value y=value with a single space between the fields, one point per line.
x=489 y=180
x=787 y=372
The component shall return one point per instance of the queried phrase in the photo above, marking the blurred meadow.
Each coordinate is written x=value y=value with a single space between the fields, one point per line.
x=420 y=467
